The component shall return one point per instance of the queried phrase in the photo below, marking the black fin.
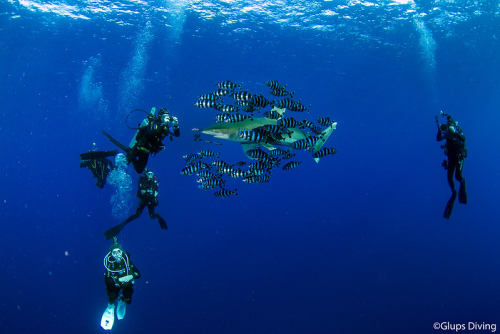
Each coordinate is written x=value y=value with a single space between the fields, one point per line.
x=162 y=223
x=117 y=143
x=98 y=154
x=449 y=206
x=462 y=193
x=113 y=232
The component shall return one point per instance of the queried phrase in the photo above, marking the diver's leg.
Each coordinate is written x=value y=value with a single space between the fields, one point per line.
x=112 y=292
x=113 y=232
x=451 y=170
x=462 y=192
x=153 y=215
x=127 y=291
x=141 y=162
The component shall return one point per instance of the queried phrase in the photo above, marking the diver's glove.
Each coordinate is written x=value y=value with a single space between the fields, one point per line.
x=125 y=279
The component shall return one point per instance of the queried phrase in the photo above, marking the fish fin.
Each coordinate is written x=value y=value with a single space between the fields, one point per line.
x=247 y=147
x=323 y=138
x=268 y=146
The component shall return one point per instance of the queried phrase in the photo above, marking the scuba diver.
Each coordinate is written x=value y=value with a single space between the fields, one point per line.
x=119 y=276
x=148 y=138
x=456 y=151
x=98 y=164
x=147 y=193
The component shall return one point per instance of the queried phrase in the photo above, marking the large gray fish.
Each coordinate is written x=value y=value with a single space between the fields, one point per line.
x=229 y=131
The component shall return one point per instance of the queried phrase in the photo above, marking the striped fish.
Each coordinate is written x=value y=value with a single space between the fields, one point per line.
x=225 y=169
x=251 y=136
x=257 y=154
x=205 y=174
x=299 y=106
x=287 y=103
x=292 y=165
x=304 y=143
x=208 y=97
x=225 y=193
x=219 y=118
x=281 y=92
x=259 y=101
x=233 y=118
x=274 y=84
x=288 y=122
x=272 y=114
x=277 y=152
x=227 y=108
x=193 y=168
x=237 y=173
x=242 y=96
x=324 y=152
x=324 y=121
x=206 y=104
x=211 y=183
x=257 y=179
x=316 y=129
x=208 y=153
x=220 y=163
x=221 y=92
x=228 y=85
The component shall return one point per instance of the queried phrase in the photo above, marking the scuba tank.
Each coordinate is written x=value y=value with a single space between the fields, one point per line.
x=144 y=122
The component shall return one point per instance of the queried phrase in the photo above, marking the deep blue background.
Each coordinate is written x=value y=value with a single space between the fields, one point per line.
x=354 y=244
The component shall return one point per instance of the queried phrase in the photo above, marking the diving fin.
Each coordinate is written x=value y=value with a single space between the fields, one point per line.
x=462 y=193
x=98 y=154
x=108 y=317
x=113 y=232
x=117 y=143
x=121 y=309
x=162 y=222
x=449 y=205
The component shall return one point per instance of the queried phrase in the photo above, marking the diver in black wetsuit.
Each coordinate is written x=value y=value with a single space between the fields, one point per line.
x=119 y=277
x=456 y=151
x=147 y=194
x=148 y=139
x=99 y=164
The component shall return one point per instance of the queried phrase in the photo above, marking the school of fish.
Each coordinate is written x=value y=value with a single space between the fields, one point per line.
x=259 y=136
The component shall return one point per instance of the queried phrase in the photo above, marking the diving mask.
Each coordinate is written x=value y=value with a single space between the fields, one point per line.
x=117 y=254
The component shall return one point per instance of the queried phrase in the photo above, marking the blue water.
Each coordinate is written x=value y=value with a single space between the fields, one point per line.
x=353 y=244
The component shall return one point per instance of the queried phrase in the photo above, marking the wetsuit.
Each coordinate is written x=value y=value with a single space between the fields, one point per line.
x=149 y=141
x=456 y=151
x=147 y=194
x=114 y=271
x=98 y=164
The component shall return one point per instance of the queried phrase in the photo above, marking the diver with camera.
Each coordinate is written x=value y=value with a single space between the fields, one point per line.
x=456 y=151
x=148 y=137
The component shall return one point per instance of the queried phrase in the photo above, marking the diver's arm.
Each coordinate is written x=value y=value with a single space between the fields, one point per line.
x=174 y=125
x=176 y=132
x=440 y=135
x=135 y=271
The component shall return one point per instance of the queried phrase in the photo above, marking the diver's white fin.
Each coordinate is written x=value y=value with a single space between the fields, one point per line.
x=323 y=137
x=121 y=309
x=108 y=318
